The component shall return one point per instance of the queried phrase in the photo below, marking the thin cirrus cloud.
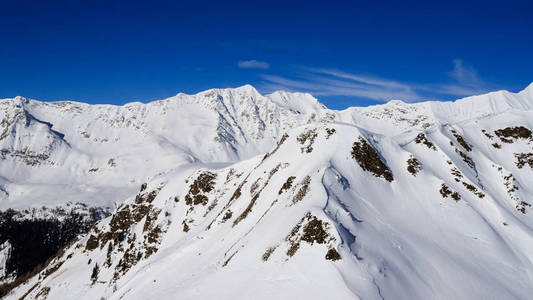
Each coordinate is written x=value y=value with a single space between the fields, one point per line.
x=463 y=81
x=329 y=82
x=253 y=64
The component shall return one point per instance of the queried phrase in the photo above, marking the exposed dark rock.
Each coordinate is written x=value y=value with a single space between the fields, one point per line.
x=413 y=166
x=293 y=249
x=43 y=293
x=422 y=139
x=315 y=231
x=204 y=183
x=254 y=186
x=309 y=229
x=27 y=156
x=307 y=137
x=333 y=255
x=369 y=160
x=466 y=158
x=523 y=159
x=255 y=196
x=488 y=135
x=227 y=216
x=473 y=189
x=522 y=206
x=186 y=227
x=445 y=191
x=456 y=173
x=461 y=141
x=287 y=185
x=518 y=132
x=268 y=252
x=229 y=259
x=92 y=243
x=281 y=141
x=330 y=132
x=94 y=274
x=304 y=188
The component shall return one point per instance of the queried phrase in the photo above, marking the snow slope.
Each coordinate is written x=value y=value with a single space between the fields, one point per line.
x=100 y=154
x=397 y=201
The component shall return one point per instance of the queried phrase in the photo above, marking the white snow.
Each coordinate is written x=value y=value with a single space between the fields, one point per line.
x=398 y=239
x=5 y=252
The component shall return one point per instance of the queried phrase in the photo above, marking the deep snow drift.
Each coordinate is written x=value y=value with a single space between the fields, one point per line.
x=276 y=196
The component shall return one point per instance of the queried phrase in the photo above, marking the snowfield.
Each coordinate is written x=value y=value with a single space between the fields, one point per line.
x=230 y=194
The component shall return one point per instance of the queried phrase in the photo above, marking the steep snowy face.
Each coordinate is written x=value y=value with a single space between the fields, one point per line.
x=331 y=211
x=277 y=197
x=59 y=153
x=26 y=138
x=100 y=154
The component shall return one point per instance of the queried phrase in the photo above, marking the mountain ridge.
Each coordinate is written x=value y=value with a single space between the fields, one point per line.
x=340 y=202
x=241 y=122
x=392 y=201
x=526 y=90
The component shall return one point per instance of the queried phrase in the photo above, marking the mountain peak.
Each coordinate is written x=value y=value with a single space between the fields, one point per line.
x=279 y=196
x=396 y=102
x=247 y=88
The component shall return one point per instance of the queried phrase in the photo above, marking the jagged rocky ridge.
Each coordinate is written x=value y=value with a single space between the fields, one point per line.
x=377 y=207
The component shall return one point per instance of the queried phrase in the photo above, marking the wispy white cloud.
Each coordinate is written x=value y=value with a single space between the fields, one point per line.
x=462 y=81
x=464 y=74
x=253 y=64
x=326 y=82
x=322 y=86
x=360 y=78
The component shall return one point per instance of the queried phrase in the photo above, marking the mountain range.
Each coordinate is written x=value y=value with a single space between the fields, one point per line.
x=236 y=195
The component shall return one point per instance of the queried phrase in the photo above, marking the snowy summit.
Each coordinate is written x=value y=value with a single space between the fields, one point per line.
x=231 y=194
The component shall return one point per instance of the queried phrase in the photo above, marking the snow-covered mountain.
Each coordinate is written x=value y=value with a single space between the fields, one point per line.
x=100 y=154
x=276 y=196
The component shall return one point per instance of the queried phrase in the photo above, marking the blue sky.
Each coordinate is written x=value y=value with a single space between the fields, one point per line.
x=345 y=53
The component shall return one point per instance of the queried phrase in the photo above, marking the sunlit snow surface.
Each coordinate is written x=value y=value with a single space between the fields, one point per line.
x=218 y=199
